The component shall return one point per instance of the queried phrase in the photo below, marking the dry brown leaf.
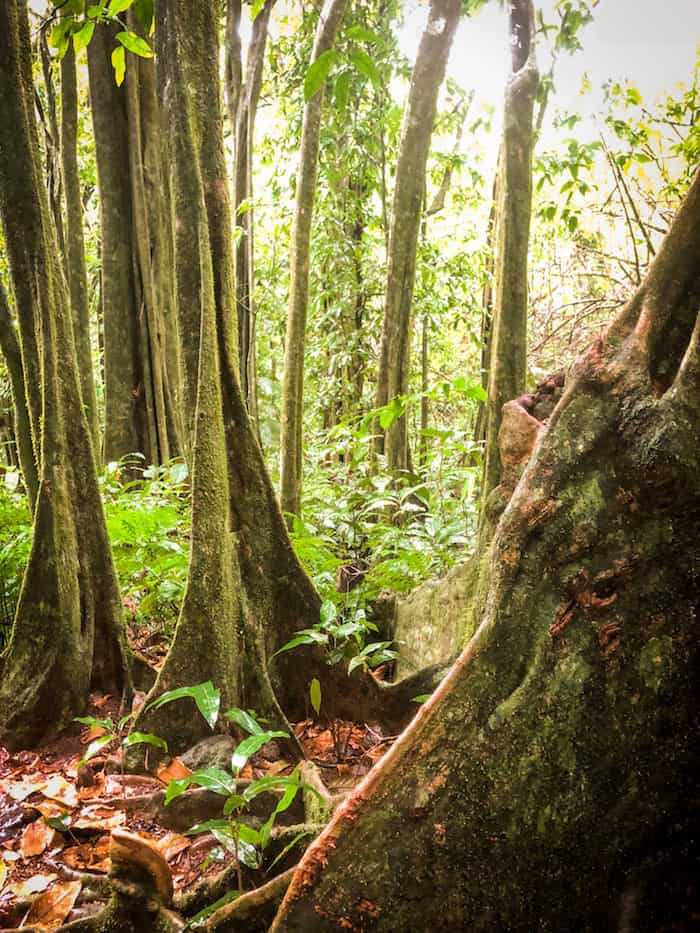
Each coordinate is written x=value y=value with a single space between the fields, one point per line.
x=29 y=886
x=94 y=732
x=20 y=790
x=276 y=767
x=100 y=701
x=172 y=844
x=49 y=809
x=173 y=772
x=53 y=906
x=99 y=817
x=94 y=857
x=36 y=838
x=58 y=788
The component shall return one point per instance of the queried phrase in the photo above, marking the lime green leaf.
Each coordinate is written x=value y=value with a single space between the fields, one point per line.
x=421 y=698
x=364 y=64
x=256 y=8
x=317 y=73
x=134 y=43
x=118 y=6
x=244 y=720
x=145 y=738
x=250 y=746
x=83 y=36
x=315 y=695
x=95 y=747
x=206 y=696
x=119 y=64
x=362 y=34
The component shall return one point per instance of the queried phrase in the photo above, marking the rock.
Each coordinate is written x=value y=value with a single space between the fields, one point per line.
x=212 y=752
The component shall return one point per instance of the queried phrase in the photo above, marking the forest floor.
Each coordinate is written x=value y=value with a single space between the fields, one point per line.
x=56 y=816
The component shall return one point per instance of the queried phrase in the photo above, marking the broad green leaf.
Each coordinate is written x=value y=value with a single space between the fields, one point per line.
x=356 y=662
x=214 y=779
x=134 y=43
x=145 y=738
x=256 y=8
x=329 y=611
x=119 y=64
x=176 y=787
x=364 y=64
x=83 y=36
x=250 y=746
x=317 y=73
x=61 y=823
x=341 y=90
x=234 y=802
x=93 y=721
x=206 y=696
x=244 y=720
x=362 y=34
x=119 y=6
x=315 y=695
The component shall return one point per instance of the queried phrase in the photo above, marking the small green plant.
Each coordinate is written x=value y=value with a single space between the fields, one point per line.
x=245 y=842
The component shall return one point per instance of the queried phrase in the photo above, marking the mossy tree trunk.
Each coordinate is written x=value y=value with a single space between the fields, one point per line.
x=246 y=591
x=507 y=336
x=68 y=634
x=75 y=243
x=10 y=347
x=394 y=351
x=291 y=426
x=242 y=99
x=142 y=411
x=550 y=782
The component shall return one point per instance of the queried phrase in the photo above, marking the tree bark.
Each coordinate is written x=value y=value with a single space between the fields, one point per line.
x=394 y=352
x=246 y=591
x=75 y=244
x=68 y=634
x=242 y=98
x=508 y=337
x=291 y=427
x=550 y=781
x=10 y=346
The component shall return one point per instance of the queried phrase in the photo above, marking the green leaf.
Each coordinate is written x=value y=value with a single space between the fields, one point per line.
x=206 y=696
x=95 y=747
x=119 y=6
x=317 y=73
x=95 y=722
x=357 y=661
x=119 y=64
x=364 y=64
x=309 y=637
x=421 y=698
x=256 y=9
x=250 y=746
x=83 y=36
x=315 y=695
x=341 y=90
x=244 y=720
x=144 y=738
x=176 y=787
x=288 y=847
x=134 y=43
x=329 y=611
x=362 y=34
x=61 y=823
x=234 y=802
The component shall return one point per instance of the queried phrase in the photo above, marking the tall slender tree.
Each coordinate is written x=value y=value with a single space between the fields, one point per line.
x=67 y=635
x=394 y=352
x=291 y=428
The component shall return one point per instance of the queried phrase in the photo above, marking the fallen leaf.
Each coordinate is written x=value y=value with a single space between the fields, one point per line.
x=94 y=732
x=20 y=790
x=172 y=844
x=88 y=855
x=100 y=701
x=53 y=906
x=99 y=817
x=58 y=788
x=173 y=771
x=276 y=767
x=29 y=886
x=36 y=838
x=49 y=809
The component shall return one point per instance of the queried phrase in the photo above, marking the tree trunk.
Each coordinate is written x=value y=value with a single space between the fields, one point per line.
x=291 y=427
x=9 y=345
x=246 y=591
x=394 y=352
x=550 y=782
x=508 y=336
x=68 y=634
x=141 y=366
x=75 y=245
x=242 y=106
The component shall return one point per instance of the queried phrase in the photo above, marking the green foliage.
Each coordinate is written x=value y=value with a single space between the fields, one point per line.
x=15 y=542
